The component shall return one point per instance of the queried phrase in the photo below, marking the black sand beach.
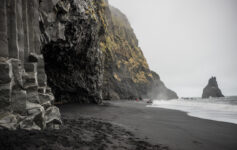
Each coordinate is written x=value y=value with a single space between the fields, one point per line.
x=173 y=128
x=125 y=125
x=75 y=134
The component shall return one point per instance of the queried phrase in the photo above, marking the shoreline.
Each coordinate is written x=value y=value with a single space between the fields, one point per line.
x=219 y=113
x=125 y=125
x=188 y=114
x=173 y=128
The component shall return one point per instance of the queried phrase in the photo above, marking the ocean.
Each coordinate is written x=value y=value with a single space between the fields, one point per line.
x=218 y=109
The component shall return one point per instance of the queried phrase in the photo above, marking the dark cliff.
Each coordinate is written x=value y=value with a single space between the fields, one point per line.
x=91 y=53
x=72 y=31
x=159 y=90
x=126 y=72
x=212 y=89
x=26 y=100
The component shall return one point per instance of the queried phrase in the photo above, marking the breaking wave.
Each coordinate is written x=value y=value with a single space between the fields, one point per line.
x=218 y=109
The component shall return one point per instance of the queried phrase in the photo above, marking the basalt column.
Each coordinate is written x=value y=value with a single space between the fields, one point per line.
x=3 y=29
x=25 y=99
x=5 y=67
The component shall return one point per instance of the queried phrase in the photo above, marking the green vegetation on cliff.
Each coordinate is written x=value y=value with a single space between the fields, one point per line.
x=126 y=72
x=91 y=53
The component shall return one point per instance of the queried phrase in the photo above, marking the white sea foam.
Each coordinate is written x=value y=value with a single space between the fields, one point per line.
x=219 y=109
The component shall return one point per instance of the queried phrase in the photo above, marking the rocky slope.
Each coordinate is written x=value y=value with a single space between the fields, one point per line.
x=212 y=89
x=126 y=72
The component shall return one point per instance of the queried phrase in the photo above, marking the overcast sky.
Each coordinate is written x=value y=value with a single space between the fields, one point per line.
x=187 y=41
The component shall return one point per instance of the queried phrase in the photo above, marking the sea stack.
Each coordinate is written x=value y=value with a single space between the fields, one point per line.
x=212 y=89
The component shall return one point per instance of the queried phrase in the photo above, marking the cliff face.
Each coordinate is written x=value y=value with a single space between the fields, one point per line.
x=126 y=72
x=91 y=53
x=74 y=62
x=26 y=100
x=212 y=89
x=159 y=90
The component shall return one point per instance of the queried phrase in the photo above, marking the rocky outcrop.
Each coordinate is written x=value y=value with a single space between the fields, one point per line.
x=212 y=89
x=25 y=97
x=91 y=53
x=74 y=63
x=159 y=90
x=84 y=50
x=126 y=72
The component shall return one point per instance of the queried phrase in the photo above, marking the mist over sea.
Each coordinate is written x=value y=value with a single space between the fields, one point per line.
x=218 y=109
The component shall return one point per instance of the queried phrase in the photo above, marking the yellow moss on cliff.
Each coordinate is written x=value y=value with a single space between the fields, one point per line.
x=103 y=47
x=121 y=47
x=140 y=77
x=119 y=64
x=103 y=3
x=117 y=77
x=150 y=75
x=111 y=45
x=103 y=21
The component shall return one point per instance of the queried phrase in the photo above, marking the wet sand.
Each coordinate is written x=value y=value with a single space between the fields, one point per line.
x=173 y=128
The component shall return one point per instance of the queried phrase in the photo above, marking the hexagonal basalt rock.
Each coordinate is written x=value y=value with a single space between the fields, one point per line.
x=22 y=67
x=6 y=74
x=18 y=101
x=5 y=96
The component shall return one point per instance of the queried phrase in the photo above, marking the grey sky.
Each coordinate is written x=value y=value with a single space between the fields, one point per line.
x=187 y=41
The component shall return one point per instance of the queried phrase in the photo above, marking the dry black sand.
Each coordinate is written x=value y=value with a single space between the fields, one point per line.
x=173 y=128
x=125 y=125
x=81 y=133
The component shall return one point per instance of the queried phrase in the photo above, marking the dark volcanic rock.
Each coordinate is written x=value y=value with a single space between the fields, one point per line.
x=212 y=89
x=159 y=90
x=91 y=52
x=71 y=31
x=22 y=72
